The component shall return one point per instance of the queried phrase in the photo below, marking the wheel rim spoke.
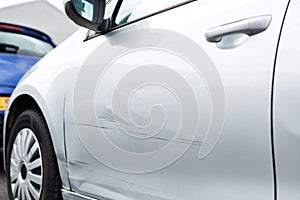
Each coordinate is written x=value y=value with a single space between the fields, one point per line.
x=23 y=192
x=13 y=166
x=22 y=142
x=18 y=146
x=19 y=191
x=35 y=178
x=28 y=140
x=32 y=190
x=28 y=197
x=14 y=176
x=35 y=164
x=15 y=152
x=15 y=187
x=31 y=152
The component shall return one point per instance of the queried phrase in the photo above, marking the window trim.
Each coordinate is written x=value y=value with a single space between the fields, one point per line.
x=114 y=27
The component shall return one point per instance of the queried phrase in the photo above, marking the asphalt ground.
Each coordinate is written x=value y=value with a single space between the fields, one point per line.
x=3 y=190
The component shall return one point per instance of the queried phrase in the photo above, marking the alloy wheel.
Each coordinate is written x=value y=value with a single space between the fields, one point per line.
x=26 y=166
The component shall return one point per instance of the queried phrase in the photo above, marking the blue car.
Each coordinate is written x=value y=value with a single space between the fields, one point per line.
x=20 y=48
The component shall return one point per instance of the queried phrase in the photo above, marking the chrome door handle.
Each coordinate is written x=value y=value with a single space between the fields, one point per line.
x=249 y=26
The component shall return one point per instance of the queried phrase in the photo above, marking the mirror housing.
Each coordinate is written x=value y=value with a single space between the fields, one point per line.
x=88 y=14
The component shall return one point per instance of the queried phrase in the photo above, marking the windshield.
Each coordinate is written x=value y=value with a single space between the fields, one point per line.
x=15 y=43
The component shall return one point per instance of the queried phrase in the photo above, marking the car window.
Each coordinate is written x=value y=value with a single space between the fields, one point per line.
x=109 y=8
x=131 y=10
x=22 y=44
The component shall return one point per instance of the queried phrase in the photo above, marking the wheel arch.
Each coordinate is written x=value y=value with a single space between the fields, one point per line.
x=20 y=104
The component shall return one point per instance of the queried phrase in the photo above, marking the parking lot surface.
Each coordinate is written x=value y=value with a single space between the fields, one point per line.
x=3 y=192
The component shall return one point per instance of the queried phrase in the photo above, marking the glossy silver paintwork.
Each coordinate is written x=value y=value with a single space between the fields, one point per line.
x=247 y=81
x=239 y=166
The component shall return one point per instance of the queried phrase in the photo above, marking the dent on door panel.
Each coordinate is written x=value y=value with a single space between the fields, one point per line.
x=240 y=165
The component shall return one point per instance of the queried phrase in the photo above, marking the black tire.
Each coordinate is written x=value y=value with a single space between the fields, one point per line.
x=1 y=159
x=49 y=186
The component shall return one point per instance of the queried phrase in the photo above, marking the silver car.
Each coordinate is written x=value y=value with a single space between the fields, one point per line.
x=162 y=99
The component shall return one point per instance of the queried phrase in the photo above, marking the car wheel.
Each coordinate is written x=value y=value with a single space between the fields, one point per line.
x=32 y=171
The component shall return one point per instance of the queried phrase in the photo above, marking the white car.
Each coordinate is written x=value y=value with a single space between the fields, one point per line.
x=162 y=99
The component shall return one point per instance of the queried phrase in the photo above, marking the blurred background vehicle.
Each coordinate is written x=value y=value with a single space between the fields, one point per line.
x=52 y=21
x=20 y=48
x=27 y=13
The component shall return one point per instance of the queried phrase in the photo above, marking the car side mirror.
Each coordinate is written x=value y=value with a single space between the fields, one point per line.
x=87 y=13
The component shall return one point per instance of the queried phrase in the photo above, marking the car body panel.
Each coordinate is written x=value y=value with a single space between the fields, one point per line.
x=240 y=165
x=38 y=81
x=234 y=167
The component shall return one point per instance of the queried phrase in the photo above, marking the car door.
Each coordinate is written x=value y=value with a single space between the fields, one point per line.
x=175 y=102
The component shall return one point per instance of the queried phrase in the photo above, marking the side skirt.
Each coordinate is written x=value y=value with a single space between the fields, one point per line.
x=74 y=196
